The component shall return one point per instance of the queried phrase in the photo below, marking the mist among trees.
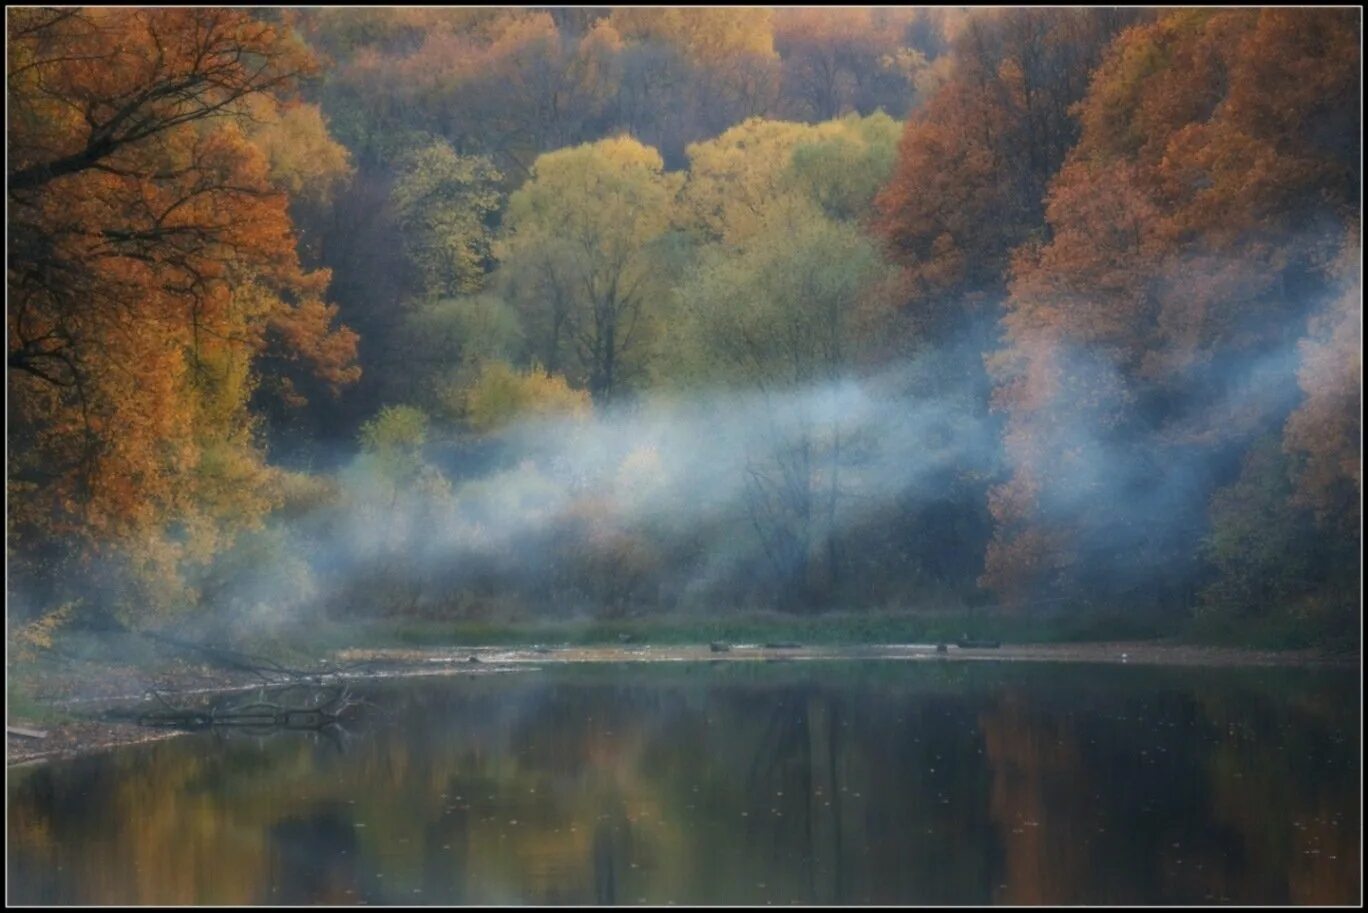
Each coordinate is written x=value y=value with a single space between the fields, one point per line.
x=522 y=313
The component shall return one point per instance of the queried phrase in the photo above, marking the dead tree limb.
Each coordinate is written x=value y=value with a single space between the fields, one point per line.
x=259 y=713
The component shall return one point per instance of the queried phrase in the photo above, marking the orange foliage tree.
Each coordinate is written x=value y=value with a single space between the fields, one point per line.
x=1190 y=232
x=152 y=260
x=975 y=162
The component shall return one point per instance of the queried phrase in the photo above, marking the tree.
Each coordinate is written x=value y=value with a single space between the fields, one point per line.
x=445 y=205
x=691 y=73
x=500 y=395
x=783 y=316
x=840 y=61
x=975 y=161
x=843 y=170
x=1324 y=434
x=116 y=80
x=306 y=162
x=709 y=37
x=583 y=243
x=534 y=89
x=394 y=440
x=1188 y=232
x=396 y=503
x=734 y=178
x=151 y=266
x=446 y=343
x=1269 y=561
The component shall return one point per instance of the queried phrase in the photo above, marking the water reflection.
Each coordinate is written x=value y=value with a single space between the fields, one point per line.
x=735 y=783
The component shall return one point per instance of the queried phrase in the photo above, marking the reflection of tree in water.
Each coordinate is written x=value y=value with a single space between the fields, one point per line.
x=141 y=826
x=605 y=878
x=836 y=796
x=1166 y=795
x=1037 y=802
x=729 y=785
x=917 y=829
x=1278 y=772
x=312 y=859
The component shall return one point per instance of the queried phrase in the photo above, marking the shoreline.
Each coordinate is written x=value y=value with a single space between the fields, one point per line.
x=1120 y=652
x=75 y=738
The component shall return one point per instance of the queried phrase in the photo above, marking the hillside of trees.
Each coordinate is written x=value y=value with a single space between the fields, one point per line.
x=507 y=313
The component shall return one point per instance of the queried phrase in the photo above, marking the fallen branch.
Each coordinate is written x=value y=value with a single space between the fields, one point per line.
x=26 y=733
x=257 y=714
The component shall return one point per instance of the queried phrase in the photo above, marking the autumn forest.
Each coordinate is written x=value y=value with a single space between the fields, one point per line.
x=497 y=314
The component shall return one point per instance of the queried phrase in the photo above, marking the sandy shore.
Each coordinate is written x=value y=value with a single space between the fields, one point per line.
x=87 y=694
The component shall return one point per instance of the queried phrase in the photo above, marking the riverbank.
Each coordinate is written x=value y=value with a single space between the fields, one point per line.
x=66 y=720
x=1140 y=652
x=833 y=628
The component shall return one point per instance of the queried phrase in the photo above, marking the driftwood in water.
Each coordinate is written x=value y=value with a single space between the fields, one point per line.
x=319 y=709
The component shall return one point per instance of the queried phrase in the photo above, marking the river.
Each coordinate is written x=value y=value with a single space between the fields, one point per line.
x=788 y=782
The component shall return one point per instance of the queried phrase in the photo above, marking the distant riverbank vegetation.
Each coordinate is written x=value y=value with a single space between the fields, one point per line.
x=557 y=317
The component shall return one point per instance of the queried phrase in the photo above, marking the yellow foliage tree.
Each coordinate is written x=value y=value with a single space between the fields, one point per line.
x=704 y=35
x=735 y=178
x=501 y=395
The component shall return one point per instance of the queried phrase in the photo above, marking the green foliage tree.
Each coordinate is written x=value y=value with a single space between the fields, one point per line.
x=843 y=169
x=445 y=205
x=735 y=179
x=583 y=250
x=397 y=499
x=446 y=341
x=393 y=442
x=785 y=314
x=1272 y=570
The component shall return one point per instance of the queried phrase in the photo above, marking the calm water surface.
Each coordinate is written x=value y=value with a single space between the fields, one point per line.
x=807 y=782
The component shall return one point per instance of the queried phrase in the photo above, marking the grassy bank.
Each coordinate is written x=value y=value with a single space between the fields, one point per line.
x=23 y=702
